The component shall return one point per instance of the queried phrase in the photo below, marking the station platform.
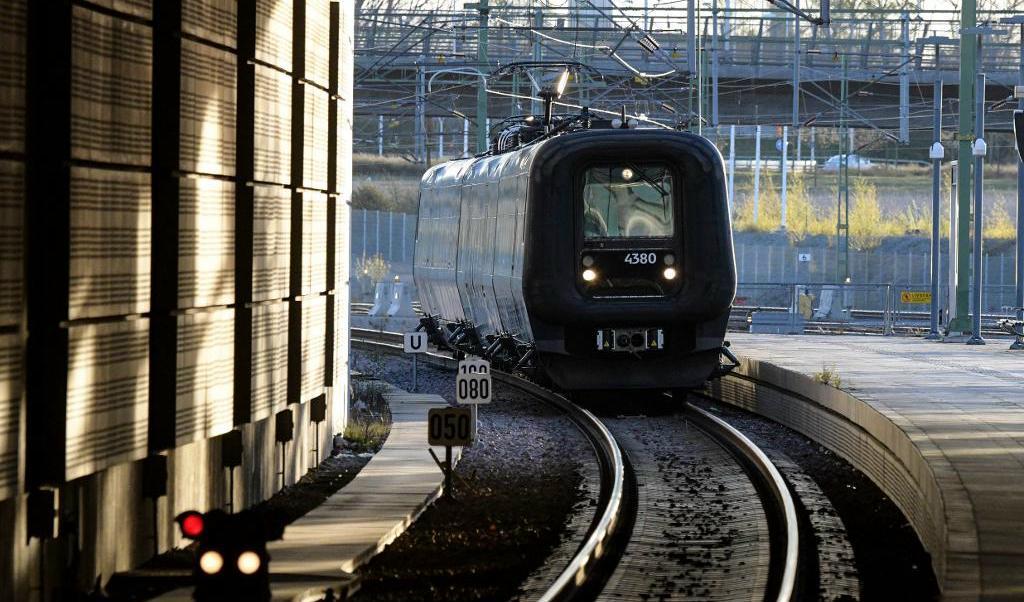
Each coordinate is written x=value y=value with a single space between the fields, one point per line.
x=320 y=550
x=938 y=427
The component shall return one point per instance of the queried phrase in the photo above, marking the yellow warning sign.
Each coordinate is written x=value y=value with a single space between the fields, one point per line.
x=915 y=297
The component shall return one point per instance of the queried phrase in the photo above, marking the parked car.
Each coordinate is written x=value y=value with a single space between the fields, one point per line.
x=853 y=161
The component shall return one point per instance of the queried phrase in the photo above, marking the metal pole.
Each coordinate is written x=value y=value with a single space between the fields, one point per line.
x=538 y=23
x=420 y=143
x=473 y=422
x=1019 y=298
x=960 y=323
x=465 y=137
x=757 y=171
x=380 y=135
x=933 y=332
x=796 y=70
x=843 y=209
x=440 y=138
x=905 y=80
x=448 y=471
x=732 y=166
x=691 y=42
x=785 y=147
x=405 y=231
x=691 y=56
x=414 y=372
x=484 y=66
x=979 y=205
x=714 y=65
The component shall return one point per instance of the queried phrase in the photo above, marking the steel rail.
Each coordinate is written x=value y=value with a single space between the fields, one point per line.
x=578 y=573
x=778 y=489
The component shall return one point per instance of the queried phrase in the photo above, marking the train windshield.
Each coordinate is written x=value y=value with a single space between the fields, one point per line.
x=627 y=200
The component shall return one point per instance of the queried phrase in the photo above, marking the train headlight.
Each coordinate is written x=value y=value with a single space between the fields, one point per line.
x=211 y=562
x=670 y=259
x=627 y=174
x=670 y=273
x=589 y=275
x=249 y=562
x=588 y=261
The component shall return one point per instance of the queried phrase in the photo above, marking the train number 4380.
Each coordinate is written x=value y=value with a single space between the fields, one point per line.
x=641 y=258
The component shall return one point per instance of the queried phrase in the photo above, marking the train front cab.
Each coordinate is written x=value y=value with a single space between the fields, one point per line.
x=638 y=295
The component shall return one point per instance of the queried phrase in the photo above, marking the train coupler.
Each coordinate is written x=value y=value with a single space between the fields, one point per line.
x=724 y=368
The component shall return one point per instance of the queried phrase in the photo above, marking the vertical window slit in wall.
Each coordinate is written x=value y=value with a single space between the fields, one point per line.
x=295 y=322
x=165 y=155
x=332 y=187
x=47 y=241
x=245 y=124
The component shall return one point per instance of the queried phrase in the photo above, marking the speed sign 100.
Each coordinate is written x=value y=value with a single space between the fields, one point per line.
x=473 y=382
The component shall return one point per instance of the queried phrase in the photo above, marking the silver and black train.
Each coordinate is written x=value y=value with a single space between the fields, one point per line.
x=598 y=254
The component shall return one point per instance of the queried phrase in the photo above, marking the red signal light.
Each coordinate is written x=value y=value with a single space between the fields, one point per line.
x=192 y=524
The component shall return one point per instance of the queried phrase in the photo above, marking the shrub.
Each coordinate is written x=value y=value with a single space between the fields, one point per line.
x=828 y=376
x=867 y=227
x=802 y=219
x=374 y=267
x=370 y=418
x=387 y=194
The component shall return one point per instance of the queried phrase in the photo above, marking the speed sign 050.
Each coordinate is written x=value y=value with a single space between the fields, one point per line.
x=449 y=426
x=473 y=382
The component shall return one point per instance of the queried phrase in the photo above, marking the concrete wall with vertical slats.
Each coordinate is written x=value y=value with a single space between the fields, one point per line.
x=108 y=376
x=205 y=361
x=207 y=109
x=269 y=359
x=271 y=242
x=110 y=243
x=212 y=20
x=12 y=76
x=120 y=307
x=111 y=78
x=273 y=126
x=206 y=242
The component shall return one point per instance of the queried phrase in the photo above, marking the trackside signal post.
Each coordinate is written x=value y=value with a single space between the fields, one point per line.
x=473 y=385
x=448 y=427
x=415 y=343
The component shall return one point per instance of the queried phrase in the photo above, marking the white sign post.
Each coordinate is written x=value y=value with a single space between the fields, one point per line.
x=473 y=385
x=415 y=343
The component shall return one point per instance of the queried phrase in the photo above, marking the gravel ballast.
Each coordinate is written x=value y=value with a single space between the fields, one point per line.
x=891 y=562
x=523 y=492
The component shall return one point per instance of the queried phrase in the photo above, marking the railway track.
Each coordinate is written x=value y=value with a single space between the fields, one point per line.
x=624 y=531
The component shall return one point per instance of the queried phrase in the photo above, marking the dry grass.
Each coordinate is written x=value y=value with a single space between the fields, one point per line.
x=828 y=376
x=870 y=222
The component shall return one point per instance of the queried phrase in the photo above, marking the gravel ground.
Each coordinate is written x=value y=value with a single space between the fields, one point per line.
x=520 y=492
x=890 y=561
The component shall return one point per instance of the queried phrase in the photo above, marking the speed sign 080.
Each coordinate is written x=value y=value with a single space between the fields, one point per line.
x=473 y=382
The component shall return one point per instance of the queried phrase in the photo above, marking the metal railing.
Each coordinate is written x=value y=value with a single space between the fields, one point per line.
x=871 y=306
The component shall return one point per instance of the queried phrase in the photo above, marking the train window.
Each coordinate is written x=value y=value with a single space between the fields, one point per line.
x=627 y=200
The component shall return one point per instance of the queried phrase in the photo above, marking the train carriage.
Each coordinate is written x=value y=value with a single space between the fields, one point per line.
x=604 y=253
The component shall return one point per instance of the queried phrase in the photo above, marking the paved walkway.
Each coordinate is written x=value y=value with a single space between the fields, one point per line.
x=322 y=549
x=357 y=522
x=941 y=431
